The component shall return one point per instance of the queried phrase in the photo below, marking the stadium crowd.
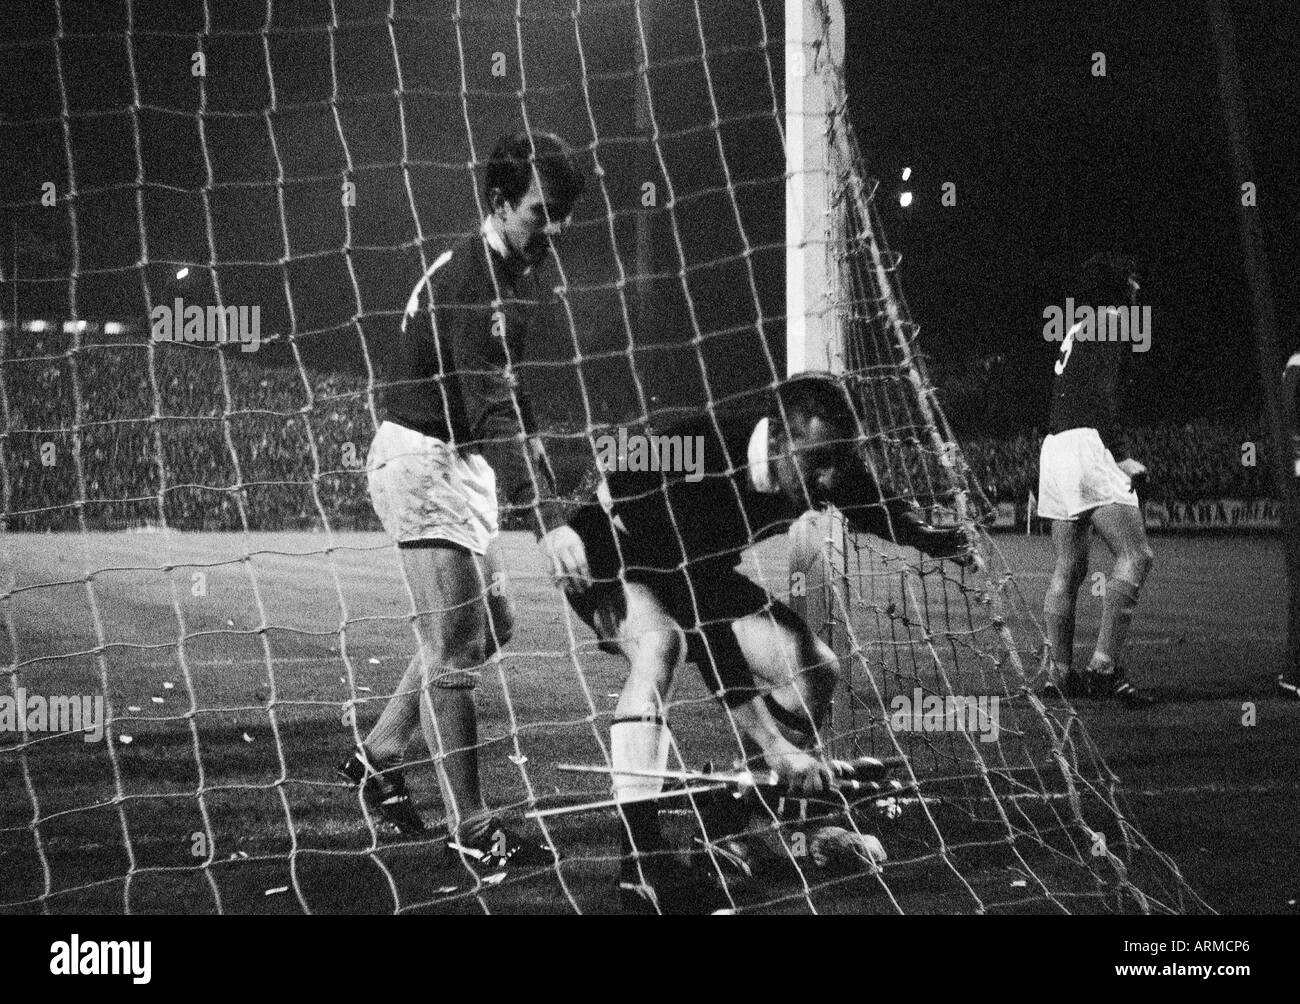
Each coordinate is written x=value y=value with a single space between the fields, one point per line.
x=116 y=436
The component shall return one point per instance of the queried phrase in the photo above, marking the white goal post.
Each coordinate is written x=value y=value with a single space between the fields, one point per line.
x=844 y=313
x=813 y=339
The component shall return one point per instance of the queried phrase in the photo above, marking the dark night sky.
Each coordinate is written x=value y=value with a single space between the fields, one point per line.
x=1050 y=164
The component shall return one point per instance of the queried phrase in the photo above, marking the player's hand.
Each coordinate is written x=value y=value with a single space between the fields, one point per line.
x=1135 y=470
x=800 y=772
x=568 y=558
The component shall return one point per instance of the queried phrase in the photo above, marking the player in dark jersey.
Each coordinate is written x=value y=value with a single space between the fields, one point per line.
x=459 y=435
x=1082 y=487
x=662 y=547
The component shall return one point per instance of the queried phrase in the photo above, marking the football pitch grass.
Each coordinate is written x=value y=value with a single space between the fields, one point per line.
x=255 y=720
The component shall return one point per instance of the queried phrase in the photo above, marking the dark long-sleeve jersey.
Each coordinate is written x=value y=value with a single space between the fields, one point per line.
x=452 y=371
x=667 y=520
x=1090 y=379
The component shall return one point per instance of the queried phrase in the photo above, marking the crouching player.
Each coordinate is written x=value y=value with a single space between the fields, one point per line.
x=659 y=579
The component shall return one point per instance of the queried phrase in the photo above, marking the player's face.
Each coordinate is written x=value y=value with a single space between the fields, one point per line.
x=530 y=225
x=811 y=468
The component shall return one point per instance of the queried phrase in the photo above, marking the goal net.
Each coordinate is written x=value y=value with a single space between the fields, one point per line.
x=200 y=615
x=1026 y=813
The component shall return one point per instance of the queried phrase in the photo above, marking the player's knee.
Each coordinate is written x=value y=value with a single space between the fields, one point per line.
x=1135 y=564
x=654 y=657
x=660 y=647
x=464 y=651
x=1059 y=599
x=452 y=665
x=823 y=672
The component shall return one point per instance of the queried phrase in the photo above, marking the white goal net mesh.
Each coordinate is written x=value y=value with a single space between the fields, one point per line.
x=200 y=615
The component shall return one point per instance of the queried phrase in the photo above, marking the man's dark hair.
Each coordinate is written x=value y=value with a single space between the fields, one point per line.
x=814 y=395
x=510 y=168
x=1103 y=280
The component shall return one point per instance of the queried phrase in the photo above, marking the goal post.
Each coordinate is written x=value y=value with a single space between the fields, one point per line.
x=814 y=33
x=845 y=314
x=814 y=39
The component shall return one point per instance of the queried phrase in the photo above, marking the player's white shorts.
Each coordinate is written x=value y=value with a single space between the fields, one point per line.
x=423 y=489
x=1076 y=473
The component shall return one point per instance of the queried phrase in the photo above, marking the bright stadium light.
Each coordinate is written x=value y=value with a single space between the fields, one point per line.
x=907 y=173
x=182 y=273
x=35 y=326
x=113 y=327
x=905 y=199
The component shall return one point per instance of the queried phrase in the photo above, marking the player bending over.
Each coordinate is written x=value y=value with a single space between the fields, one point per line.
x=449 y=447
x=1082 y=488
x=660 y=581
